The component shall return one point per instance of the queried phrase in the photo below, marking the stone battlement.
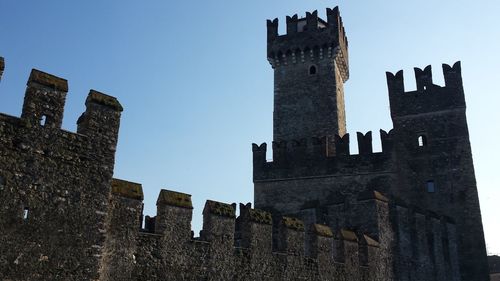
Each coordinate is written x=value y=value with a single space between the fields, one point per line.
x=409 y=212
x=44 y=105
x=308 y=39
x=428 y=97
x=253 y=244
x=320 y=156
x=55 y=182
x=258 y=243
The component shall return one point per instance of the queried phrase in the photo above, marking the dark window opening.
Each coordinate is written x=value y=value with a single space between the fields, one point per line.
x=431 y=187
x=313 y=70
x=26 y=213
x=422 y=141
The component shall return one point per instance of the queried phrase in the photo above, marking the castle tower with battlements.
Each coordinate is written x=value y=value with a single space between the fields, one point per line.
x=311 y=65
x=408 y=213
x=425 y=163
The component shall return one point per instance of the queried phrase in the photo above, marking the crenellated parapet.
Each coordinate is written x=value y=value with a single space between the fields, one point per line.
x=428 y=97
x=254 y=243
x=309 y=39
x=44 y=100
x=122 y=229
x=44 y=103
x=56 y=185
x=327 y=154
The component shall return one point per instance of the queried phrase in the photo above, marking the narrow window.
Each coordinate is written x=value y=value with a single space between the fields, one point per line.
x=3 y=182
x=431 y=186
x=43 y=120
x=422 y=141
x=26 y=213
x=312 y=70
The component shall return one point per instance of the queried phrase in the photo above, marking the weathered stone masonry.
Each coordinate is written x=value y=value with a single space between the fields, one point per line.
x=410 y=212
x=425 y=163
x=54 y=184
x=64 y=218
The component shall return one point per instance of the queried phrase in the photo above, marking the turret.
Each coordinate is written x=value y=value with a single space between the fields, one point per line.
x=311 y=65
x=431 y=132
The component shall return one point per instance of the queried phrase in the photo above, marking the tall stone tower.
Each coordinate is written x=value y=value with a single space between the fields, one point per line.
x=434 y=157
x=310 y=65
x=425 y=166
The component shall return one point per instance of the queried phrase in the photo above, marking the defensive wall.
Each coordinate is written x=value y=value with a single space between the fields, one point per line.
x=54 y=184
x=259 y=246
x=320 y=213
x=63 y=217
x=426 y=159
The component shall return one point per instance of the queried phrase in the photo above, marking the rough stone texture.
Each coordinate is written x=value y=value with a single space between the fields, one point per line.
x=122 y=230
x=494 y=264
x=409 y=212
x=63 y=217
x=434 y=229
x=309 y=103
x=54 y=186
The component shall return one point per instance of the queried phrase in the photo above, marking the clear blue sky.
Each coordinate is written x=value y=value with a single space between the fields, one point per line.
x=197 y=89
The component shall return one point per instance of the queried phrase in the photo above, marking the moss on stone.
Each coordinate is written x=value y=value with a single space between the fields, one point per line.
x=220 y=209
x=348 y=235
x=48 y=80
x=260 y=216
x=372 y=195
x=293 y=223
x=322 y=230
x=370 y=241
x=173 y=198
x=127 y=189
x=103 y=99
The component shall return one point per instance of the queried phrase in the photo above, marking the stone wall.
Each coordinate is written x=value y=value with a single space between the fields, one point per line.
x=434 y=158
x=253 y=246
x=310 y=65
x=319 y=216
x=426 y=161
x=54 y=184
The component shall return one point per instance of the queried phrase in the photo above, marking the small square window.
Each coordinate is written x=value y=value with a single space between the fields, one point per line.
x=431 y=187
x=43 y=120
x=422 y=141
x=26 y=213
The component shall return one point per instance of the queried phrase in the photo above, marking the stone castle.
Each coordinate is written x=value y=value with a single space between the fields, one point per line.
x=410 y=212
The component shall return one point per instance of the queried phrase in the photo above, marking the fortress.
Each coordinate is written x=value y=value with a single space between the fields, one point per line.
x=410 y=212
